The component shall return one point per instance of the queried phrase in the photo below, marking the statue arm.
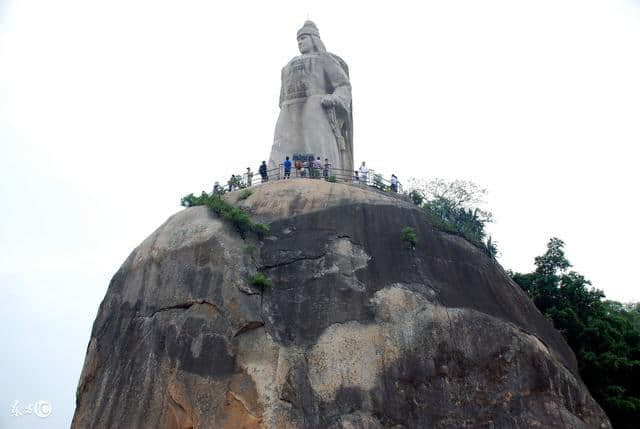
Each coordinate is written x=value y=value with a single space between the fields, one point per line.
x=337 y=104
x=339 y=81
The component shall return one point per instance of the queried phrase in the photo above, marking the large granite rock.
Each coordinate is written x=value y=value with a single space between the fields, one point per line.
x=356 y=332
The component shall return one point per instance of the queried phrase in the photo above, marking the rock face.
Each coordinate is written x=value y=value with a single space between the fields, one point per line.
x=356 y=332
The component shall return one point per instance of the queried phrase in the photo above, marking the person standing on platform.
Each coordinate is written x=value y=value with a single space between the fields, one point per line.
x=217 y=189
x=263 y=172
x=298 y=168
x=249 y=176
x=394 y=183
x=317 y=167
x=364 y=171
x=287 y=168
x=307 y=166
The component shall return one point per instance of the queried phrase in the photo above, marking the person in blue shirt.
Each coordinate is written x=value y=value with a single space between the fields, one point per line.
x=287 y=168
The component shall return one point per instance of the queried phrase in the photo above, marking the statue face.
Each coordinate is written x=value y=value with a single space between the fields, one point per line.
x=305 y=44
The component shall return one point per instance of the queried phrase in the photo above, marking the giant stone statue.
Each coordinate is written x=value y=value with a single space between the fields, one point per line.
x=315 y=105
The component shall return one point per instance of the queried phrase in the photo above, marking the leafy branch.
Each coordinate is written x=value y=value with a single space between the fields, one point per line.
x=237 y=216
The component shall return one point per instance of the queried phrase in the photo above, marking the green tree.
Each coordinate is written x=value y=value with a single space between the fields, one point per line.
x=416 y=197
x=453 y=206
x=604 y=335
x=458 y=193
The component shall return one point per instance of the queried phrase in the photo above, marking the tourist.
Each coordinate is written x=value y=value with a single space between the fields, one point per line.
x=317 y=166
x=249 y=176
x=394 y=183
x=232 y=182
x=298 y=168
x=263 y=172
x=356 y=178
x=287 y=168
x=306 y=168
x=325 y=172
x=217 y=189
x=364 y=171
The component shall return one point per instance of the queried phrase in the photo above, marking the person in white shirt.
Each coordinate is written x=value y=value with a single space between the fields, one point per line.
x=364 y=171
x=394 y=183
x=249 y=176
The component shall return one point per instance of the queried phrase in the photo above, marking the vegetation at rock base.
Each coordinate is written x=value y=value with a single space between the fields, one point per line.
x=238 y=217
x=409 y=237
x=604 y=335
x=260 y=280
x=332 y=179
x=452 y=207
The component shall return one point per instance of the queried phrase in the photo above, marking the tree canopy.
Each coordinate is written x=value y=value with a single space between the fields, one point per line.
x=453 y=206
x=604 y=335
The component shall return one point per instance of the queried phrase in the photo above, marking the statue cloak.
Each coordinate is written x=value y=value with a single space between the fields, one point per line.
x=304 y=125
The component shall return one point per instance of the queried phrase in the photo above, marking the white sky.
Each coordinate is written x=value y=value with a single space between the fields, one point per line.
x=110 y=111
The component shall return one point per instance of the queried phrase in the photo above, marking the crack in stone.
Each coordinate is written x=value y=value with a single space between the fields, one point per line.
x=293 y=261
x=183 y=306
x=249 y=326
x=348 y=237
x=261 y=299
x=283 y=399
x=249 y=292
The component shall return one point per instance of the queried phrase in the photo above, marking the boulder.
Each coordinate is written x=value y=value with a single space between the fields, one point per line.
x=357 y=331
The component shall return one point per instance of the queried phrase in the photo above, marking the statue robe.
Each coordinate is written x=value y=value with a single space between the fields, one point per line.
x=303 y=124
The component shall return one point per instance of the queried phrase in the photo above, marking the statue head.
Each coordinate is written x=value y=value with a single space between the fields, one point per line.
x=309 y=39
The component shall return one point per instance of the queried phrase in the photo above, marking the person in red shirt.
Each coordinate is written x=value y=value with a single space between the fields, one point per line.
x=298 y=168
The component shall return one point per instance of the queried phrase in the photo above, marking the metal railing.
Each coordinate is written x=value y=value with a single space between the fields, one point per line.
x=330 y=174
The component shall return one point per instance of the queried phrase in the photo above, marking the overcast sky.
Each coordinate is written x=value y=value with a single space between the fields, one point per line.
x=110 y=111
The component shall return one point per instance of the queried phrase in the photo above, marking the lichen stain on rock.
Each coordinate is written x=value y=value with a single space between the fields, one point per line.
x=257 y=355
x=349 y=355
x=353 y=355
x=343 y=258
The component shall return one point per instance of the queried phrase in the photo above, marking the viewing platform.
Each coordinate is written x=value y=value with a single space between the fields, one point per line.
x=333 y=175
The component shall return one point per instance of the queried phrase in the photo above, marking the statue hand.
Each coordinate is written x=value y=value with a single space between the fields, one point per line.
x=329 y=101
